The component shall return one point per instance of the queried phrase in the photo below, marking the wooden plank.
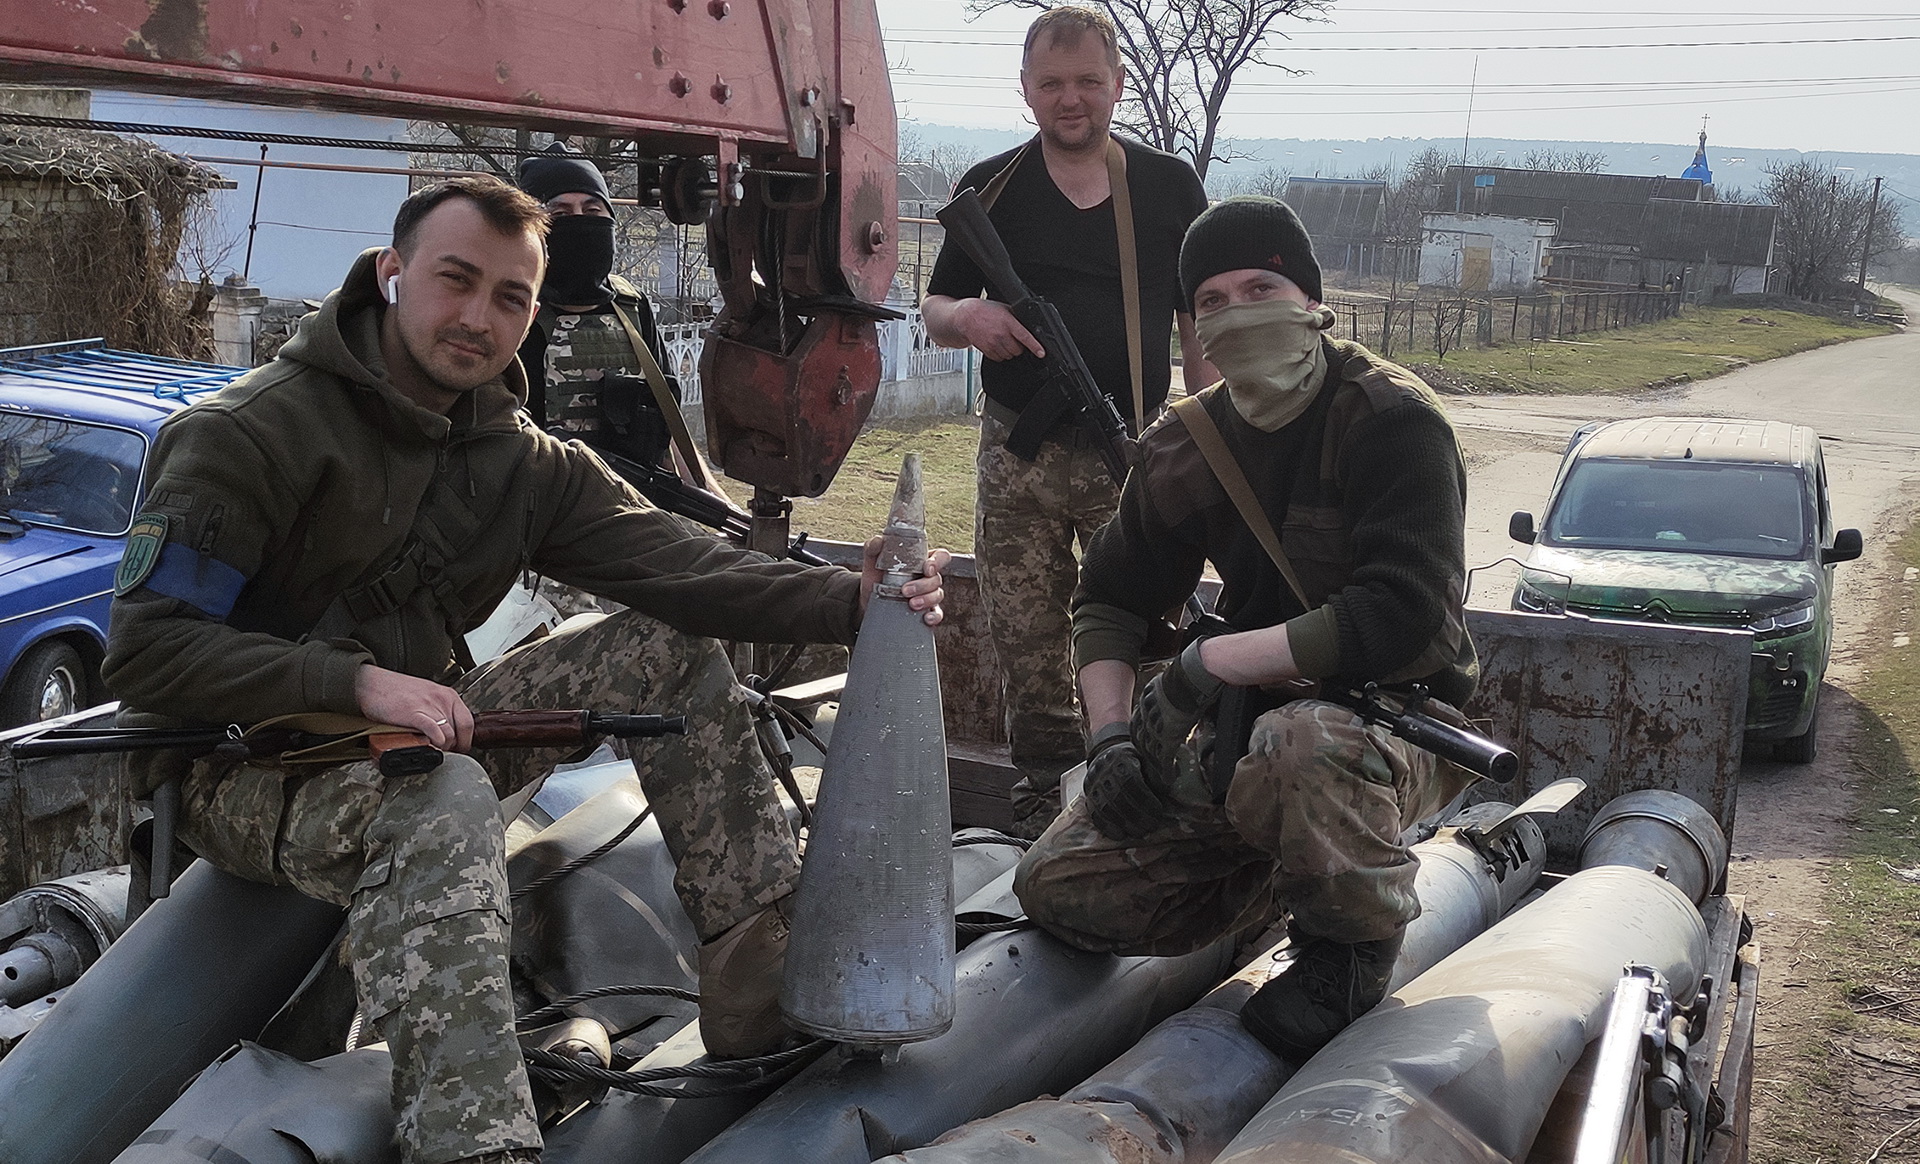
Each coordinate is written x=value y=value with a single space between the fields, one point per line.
x=979 y=777
x=1723 y=916
x=1735 y=1085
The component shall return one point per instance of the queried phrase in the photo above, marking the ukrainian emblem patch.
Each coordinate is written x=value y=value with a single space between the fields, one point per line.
x=144 y=542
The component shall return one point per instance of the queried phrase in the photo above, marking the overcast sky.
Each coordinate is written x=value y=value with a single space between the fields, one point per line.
x=1818 y=78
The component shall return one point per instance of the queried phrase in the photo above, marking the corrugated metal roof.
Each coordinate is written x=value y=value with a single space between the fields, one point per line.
x=1695 y=232
x=1591 y=208
x=1338 y=208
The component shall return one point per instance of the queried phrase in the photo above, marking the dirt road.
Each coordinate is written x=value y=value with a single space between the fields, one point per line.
x=1864 y=399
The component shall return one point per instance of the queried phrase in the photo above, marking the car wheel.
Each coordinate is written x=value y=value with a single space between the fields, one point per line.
x=49 y=681
x=1802 y=748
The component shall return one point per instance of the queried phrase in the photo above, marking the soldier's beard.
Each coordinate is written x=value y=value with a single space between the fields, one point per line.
x=1270 y=355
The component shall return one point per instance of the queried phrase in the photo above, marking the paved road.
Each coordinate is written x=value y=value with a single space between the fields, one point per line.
x=1863 y=397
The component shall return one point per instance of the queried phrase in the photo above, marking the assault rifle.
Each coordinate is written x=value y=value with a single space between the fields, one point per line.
x=665 y=489
x=1403 y=714
x=398 y=753
x=1068 y=385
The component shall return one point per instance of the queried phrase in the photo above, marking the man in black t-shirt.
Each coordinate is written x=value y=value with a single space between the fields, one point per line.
x=1052 y=203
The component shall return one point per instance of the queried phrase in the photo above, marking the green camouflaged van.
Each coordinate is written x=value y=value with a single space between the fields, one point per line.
x=1703 y=522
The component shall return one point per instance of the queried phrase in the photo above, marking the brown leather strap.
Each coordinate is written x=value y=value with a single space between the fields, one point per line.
x=1129 y=276
x=1206 y=437
x=991 y=191
x=695 y=465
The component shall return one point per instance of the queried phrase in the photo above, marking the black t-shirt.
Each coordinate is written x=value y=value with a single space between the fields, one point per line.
x=1071 y=257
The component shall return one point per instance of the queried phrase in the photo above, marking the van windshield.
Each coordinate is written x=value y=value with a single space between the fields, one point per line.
x=1700 y=507
x=64 y=473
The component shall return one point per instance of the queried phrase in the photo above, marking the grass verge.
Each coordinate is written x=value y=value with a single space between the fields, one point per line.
x=854 y=507
x=1701 y=342
x=1847 y=1087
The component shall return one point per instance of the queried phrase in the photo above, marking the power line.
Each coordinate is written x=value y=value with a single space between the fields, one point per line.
x=1440 y=89
x=1691 y=102
x=949 y=42
x=1315 y=29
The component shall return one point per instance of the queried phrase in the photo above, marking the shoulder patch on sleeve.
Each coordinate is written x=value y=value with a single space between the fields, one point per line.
x=144 y=541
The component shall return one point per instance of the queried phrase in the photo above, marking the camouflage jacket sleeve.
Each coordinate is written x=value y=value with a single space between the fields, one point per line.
x=604 y=538
x=224 y=504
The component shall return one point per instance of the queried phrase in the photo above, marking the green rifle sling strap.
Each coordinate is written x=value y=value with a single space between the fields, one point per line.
x=663 y=398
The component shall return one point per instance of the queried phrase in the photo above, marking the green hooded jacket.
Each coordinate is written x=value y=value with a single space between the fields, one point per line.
x=314 y=477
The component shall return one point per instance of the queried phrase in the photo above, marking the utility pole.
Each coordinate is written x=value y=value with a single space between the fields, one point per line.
x=1866 y=243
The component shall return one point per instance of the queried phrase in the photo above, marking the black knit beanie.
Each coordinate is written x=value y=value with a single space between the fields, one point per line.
x=1249 y=232
x=558 y=171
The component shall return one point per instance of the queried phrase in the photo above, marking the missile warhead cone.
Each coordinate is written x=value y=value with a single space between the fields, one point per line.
x=871 y=956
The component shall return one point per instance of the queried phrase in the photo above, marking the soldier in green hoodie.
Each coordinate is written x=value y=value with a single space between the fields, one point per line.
x=319 y=536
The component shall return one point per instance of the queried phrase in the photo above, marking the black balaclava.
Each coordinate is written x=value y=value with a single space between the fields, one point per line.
x=579 y=261
x=579 y=246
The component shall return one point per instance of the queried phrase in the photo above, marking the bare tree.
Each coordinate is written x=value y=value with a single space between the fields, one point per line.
x=1822 y=226
x=1181 y=58
x=951 y=160
x=1449 y=324
x=1269 y=182
x=1412 y=190
x=1565 y=161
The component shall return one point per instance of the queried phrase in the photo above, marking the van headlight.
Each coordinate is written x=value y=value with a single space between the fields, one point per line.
x=1534 y=600
x=1785 y=623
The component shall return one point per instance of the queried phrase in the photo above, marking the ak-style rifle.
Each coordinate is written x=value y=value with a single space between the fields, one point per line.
x=398 y=753
x=1068 y=386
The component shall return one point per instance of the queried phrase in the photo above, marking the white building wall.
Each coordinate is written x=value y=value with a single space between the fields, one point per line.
x=312 y=223
x=1516 y=249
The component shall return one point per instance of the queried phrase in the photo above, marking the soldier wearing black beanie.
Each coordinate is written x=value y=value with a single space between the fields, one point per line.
x=1248 y=233
x=559 y=171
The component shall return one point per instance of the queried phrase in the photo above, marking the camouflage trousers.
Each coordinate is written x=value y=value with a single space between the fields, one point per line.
x=1028 y=516
x=419 y=861
x=1311 y=824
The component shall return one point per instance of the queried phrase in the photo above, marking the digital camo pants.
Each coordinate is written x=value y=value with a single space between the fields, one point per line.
x=419 y=861
x=1311 y=824
x=1028 y=516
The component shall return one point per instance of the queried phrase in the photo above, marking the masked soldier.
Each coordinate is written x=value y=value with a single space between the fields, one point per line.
x=1326 y=487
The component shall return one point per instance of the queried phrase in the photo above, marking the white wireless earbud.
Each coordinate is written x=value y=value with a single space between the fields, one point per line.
x=393 y=288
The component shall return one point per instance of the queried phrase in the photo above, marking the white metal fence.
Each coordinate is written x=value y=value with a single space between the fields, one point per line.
x=906 y=353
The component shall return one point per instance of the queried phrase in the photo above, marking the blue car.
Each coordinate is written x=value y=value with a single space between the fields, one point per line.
x=76 y=423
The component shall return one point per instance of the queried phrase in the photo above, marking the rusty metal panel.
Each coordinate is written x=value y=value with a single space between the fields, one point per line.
x=63 y=814
x=692 y=66
x=1622 y=705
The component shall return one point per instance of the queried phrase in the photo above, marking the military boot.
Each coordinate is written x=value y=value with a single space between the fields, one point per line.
x=740 y=974
x=1329 y=985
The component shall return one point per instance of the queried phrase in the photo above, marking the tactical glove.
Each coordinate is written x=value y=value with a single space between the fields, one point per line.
x=1120 y=801
x=1169 y=708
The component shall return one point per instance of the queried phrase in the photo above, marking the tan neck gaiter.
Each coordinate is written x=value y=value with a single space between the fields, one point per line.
x=1270 y=355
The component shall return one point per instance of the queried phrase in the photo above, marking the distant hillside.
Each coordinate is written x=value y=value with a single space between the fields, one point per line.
x=1733 y=166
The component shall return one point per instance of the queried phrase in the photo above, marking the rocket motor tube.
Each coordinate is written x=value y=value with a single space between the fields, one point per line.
x=200 y=971
x=1461 y=1065
x=1184 y=1090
